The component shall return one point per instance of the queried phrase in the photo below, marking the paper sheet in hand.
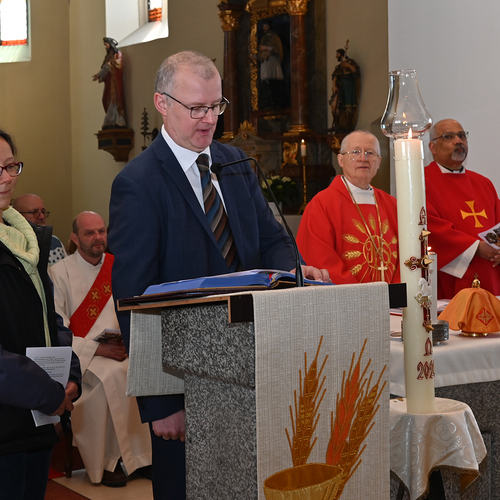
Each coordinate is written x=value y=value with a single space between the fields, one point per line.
x=56 y=362
x=492 y=236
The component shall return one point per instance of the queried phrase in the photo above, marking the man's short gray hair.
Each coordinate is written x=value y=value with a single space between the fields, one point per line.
x=198 y=63
x=344 y=140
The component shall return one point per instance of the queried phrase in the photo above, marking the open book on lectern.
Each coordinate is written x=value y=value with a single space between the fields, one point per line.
x=255 y=279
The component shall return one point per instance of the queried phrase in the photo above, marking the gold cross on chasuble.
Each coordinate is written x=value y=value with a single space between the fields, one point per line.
x=473 y=213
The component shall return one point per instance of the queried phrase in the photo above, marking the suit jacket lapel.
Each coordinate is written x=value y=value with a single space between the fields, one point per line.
x=173 y=169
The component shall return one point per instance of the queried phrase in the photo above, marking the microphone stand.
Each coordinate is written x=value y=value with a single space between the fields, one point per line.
x=299 y=275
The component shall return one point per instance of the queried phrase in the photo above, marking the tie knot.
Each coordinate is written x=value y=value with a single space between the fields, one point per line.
x=203 y=162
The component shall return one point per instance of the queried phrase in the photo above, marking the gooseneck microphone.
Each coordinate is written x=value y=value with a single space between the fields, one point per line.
x=216 y=168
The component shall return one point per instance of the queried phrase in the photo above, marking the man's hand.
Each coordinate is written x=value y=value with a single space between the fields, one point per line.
x=171 y=427
x=312 y=273
x=487 y=252
x=65 y=405
x=112 y=350
x=72 y=390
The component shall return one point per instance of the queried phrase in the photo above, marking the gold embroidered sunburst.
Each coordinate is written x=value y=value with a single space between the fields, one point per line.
x=370 y=249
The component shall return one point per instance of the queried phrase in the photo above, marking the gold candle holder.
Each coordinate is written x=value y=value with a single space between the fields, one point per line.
x=303 y=154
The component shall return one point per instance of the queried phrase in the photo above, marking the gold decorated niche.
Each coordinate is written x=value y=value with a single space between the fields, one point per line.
x=259 y=10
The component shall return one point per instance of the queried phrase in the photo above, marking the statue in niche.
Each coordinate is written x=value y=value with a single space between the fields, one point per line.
x=113 y=97
x=272 y=80
x=346 y=86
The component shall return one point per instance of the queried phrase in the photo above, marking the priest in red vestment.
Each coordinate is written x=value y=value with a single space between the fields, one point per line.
x=351 y=228
x=461 y=204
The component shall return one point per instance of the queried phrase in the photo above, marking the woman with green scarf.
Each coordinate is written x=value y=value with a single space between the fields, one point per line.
x=27 y=319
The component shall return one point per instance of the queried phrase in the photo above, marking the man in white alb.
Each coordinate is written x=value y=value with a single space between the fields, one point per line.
x=106 y=423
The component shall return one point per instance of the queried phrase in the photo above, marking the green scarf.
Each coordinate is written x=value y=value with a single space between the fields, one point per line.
x=21 y=240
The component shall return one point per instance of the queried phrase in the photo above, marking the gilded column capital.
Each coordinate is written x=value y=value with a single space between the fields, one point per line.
x=297 y=7
x=230 y=20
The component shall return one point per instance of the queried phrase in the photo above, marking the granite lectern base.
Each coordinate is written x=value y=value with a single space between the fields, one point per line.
x=219 y=381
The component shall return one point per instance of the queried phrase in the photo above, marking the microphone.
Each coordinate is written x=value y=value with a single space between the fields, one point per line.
x=216 y=168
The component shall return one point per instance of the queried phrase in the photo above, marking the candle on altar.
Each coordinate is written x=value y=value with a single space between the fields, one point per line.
x=412 y=221
x=433 y=277
x=303 y=148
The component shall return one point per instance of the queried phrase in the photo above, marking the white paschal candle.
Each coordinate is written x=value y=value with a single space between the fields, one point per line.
x=433 y=278
x=419 y=363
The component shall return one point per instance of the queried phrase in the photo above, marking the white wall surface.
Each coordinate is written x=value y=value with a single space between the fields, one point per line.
x=454 y=46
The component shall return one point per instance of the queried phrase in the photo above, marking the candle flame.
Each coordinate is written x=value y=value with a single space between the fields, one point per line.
x=410 y=134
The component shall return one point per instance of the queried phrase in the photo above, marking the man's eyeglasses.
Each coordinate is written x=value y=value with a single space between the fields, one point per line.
x=37 y=213
x=14 y=169
x=450 y=136
x=356 y=154
x=201 y=111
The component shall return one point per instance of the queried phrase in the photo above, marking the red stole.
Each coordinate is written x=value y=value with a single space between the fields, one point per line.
x=83 y=319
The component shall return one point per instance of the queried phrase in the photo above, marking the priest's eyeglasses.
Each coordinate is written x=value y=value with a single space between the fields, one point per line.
x=450 y=136
x=356 y=155
x=197 y=112
x=14 y=169
x=36 y=213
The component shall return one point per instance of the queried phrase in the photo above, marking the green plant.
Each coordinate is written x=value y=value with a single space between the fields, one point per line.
x=284 y=189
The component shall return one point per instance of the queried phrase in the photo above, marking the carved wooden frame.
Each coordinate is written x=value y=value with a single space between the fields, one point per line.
x=257 y=13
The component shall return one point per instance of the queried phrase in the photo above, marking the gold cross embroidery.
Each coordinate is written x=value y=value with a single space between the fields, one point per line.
x=474 y=214
x=93 y=311
x=106 y=288
x=94 y=294
x=484 y=316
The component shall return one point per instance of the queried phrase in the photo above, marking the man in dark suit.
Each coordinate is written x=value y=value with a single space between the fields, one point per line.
x=161 y=227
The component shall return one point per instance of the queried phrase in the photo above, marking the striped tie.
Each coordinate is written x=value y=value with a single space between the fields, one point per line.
x=216 y=215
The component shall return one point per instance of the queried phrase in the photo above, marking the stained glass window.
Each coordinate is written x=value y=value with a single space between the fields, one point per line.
x=13 y=22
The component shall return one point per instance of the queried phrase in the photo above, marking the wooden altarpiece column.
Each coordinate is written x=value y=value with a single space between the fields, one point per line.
x=297 y=10
x=230 y=20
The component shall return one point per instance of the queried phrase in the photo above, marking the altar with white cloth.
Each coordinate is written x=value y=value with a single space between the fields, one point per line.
x=459 y=360
x=467 y=370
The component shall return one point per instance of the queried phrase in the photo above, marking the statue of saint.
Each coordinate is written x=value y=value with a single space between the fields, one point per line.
x=345 y=93
x=113 y=98
x=272 y=88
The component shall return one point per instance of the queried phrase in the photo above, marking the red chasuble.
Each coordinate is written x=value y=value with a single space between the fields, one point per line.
x=88 y=311
x=333 y=236
x=459 y=207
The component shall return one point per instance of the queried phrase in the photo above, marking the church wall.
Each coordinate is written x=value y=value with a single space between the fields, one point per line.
x=455 y=53
x=35 y=109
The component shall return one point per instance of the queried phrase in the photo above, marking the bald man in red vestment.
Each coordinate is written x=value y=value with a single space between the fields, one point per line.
x=350 y=228
x=461 y=204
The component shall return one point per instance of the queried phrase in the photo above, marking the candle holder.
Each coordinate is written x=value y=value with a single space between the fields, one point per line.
x=405 y=120
x=304 y=180
x=405 y=107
